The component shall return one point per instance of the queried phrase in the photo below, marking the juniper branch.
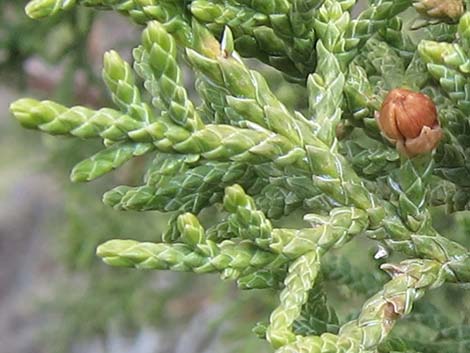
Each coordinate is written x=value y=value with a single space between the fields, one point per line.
x=188 y=191
x=156 y=64
x=239 y=259
x=120 y=81
x=301 y=278
x=212 y=141
x=270 y=161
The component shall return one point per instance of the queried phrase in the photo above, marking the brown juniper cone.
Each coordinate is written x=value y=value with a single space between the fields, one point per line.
x=409 y=120
x=451 y=9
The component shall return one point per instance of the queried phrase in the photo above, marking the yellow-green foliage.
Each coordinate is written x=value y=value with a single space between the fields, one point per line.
x=243 y=152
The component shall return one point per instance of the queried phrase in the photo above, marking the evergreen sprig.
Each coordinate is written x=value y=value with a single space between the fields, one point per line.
x=242 y=148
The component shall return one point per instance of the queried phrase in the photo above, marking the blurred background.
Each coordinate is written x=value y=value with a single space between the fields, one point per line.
x=55 y=295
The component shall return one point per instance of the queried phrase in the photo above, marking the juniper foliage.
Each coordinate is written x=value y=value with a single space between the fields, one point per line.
x=242 y=151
